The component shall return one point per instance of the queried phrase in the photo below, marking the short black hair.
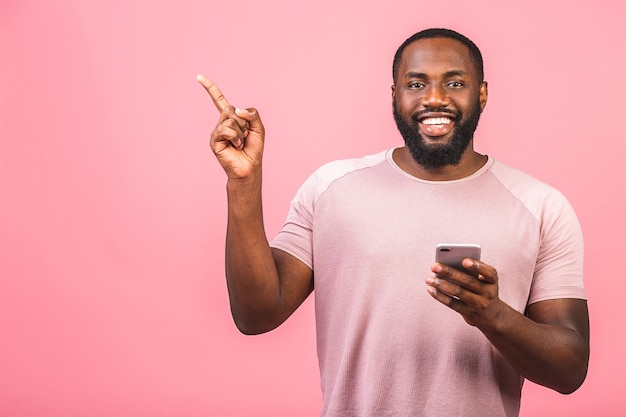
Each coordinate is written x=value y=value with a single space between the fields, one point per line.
x=475 y=54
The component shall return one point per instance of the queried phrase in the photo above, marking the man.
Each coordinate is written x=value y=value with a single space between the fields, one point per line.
x=367 y=228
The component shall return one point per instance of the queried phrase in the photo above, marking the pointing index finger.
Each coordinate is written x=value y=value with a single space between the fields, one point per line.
x=216 y=95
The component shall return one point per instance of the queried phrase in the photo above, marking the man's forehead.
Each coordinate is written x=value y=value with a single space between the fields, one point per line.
x=429 y=52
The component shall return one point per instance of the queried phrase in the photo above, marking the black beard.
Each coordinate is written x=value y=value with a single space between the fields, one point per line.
x=438 y=156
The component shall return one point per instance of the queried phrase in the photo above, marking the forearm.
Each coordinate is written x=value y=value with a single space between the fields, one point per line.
x=251 y=273
x=551 y=355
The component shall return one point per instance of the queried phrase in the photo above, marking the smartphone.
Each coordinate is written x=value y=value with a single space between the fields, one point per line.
x=452 y=254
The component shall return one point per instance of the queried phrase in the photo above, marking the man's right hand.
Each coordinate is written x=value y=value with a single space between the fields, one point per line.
x=237 y=140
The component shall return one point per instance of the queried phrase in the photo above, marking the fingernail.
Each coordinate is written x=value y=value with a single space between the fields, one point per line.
x=241 y=112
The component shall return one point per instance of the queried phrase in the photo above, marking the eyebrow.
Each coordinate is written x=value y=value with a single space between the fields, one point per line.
x=452 y=73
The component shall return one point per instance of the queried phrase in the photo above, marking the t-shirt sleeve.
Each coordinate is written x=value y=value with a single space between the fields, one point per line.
x=296 y=235
x=559 y=267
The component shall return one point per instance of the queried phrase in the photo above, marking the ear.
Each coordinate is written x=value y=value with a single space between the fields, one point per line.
x=393 y=91
x=483 y=93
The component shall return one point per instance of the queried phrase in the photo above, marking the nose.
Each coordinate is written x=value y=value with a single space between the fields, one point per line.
x=435 y=96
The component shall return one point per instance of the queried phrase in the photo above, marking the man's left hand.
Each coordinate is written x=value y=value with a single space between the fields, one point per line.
x=472 y=293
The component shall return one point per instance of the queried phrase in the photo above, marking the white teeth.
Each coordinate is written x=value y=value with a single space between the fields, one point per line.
x=436 y=121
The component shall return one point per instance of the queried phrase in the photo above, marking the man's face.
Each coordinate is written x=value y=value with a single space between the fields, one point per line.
x=437 y=100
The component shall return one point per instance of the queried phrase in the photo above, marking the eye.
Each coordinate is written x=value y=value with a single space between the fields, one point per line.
x=415 y=85
x=455 y=84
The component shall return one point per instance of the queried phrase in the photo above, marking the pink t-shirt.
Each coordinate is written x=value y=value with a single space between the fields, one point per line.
x=368 y=230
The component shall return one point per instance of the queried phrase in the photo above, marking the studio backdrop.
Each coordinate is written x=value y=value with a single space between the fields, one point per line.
x=113 y=212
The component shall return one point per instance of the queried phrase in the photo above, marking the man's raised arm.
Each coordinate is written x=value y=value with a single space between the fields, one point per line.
x=265 y=285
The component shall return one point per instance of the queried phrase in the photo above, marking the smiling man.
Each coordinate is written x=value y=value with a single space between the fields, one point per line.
x=393 y=339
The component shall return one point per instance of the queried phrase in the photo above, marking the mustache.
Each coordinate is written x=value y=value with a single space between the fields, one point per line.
x=420 y=113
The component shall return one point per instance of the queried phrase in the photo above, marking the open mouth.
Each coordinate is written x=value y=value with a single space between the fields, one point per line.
x=436 y=126
x=436 y=121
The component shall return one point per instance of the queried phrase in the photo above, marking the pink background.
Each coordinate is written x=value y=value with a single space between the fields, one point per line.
x=112 y=210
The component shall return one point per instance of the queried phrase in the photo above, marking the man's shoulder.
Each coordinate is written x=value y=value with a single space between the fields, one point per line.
x=514 y=178
x=340 y=167
x=326 y=175
x=330 y=172
x=534 y=193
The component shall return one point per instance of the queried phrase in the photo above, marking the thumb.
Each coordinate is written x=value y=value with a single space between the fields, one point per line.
x=252 y=117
